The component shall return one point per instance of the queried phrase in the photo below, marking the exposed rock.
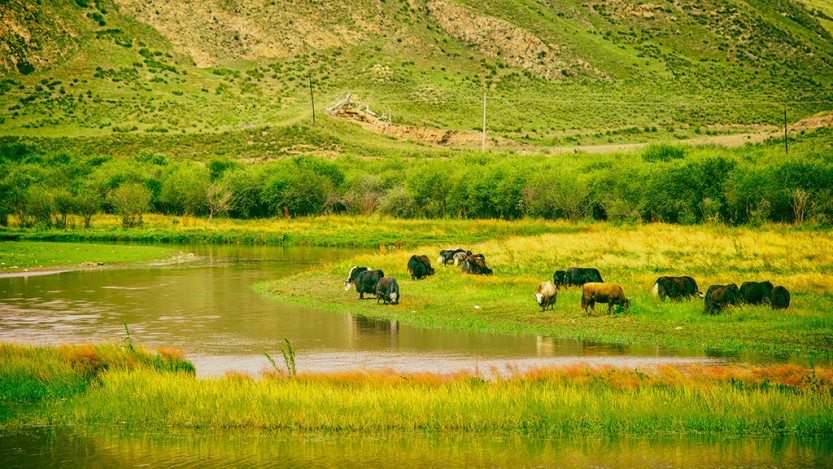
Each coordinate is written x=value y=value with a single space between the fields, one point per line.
x=496 y=38
x=217 y=31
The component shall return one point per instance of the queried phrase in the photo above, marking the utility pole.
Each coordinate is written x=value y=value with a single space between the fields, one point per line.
x=483 y=144
x=786 y=138
x=311 y=97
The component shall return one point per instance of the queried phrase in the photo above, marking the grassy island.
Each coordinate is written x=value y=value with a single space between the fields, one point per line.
x=633 y=256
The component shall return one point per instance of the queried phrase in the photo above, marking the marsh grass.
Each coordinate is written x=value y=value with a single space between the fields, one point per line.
x=633 y=257
x=564 y=401
x=109 y=385
x=31 y=375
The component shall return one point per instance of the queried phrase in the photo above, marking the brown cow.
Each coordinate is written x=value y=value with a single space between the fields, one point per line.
x=610 y=293
x=476 y=265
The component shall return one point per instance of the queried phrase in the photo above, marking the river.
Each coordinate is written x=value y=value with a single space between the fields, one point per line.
x=207 y=308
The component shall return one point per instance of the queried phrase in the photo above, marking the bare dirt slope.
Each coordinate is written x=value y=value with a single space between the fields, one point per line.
x=220 y=31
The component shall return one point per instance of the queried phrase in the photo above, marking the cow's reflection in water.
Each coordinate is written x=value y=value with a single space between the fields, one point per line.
x=370 y=327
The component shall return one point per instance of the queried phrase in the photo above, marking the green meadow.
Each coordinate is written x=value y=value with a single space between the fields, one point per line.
x=22 y=256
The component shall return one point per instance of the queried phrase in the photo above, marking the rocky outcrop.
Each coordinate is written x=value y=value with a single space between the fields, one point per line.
x=499 y=39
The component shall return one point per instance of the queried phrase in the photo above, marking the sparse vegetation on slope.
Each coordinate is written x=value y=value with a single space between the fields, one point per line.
x=108 y=67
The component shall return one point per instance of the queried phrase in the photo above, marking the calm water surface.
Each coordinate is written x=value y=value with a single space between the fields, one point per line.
x=208 y=309
x=65 y=448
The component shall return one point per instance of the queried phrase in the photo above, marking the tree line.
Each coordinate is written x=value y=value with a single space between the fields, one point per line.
x=674 y=184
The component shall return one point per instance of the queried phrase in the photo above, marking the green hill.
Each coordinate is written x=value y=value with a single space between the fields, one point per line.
x=610 y=68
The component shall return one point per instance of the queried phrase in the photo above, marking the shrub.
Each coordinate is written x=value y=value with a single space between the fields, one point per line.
x=130 y=201
x=663 y=152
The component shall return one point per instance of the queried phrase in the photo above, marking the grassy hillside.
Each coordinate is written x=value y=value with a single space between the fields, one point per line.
x=105 y=67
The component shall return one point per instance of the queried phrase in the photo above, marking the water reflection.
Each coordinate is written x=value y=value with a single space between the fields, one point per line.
x=121 y=448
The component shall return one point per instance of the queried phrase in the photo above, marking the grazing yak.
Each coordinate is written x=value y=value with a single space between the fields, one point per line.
x=676 y=288
x=354 y=272
x=779 y=298
x=754 y=293
x=387 y=290
x=460 y=257
x=597 y=292
x=546 y=296
x=366 y=282
x=559 y=278
x=578 y=276
x=447 y=255
x=719 y=296
x=419 y=267
x=476 y=265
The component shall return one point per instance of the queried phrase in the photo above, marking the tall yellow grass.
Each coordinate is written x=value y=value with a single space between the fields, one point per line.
x=578 y=399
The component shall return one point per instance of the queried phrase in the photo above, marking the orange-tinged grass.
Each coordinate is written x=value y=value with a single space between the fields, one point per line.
x=170 y=353
x=576 y=399
x=675 y=376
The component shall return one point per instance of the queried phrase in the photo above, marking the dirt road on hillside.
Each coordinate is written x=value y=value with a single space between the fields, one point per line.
x=360 y=114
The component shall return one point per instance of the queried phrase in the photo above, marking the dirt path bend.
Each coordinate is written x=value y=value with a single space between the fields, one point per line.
x=721 y=140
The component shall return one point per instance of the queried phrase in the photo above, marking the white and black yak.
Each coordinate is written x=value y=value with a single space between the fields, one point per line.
x=354 y=272
x=546 y=295
x=447 y=255
x=366 y=282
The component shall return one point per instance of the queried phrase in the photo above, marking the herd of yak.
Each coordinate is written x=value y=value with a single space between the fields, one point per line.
x=594 y=289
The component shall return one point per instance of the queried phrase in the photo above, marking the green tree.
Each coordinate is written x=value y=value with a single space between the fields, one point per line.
x=183 y=190
x=63 y=205
x=130 y=201
x=88 y=202
x=246 y=185
x=38 y=207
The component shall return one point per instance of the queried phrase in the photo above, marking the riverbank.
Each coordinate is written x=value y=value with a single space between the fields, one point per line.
x=633 y=257
x=136 y=389
x=373 y=232
x=24 y=258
